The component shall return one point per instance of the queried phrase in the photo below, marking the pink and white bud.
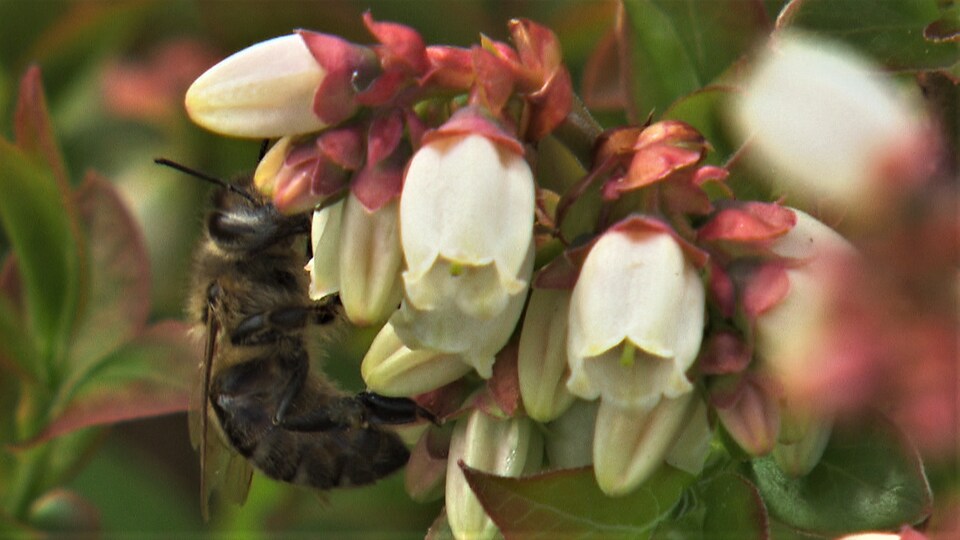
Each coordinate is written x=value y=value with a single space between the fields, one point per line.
x=630 y=443
x=466 y=228
x=505 y=447
x=370 y=259
x=636 y=318
x=393 y=369
x=826 y=120
x=542 y=361
x=789 y=334
x=265 y=90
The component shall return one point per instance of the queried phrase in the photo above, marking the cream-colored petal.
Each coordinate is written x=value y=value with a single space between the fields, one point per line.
x=542 y=358
x=393 y=369
x=507 y=447
x=627 y=287
x=263 y=91
x=809 y=239
x=470 y=200
x=639 y=385
x=325 y=237
x=370 y=259
x=630 y=444
x=448 y=329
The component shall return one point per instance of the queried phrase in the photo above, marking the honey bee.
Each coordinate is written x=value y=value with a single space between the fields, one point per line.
x=259 y=403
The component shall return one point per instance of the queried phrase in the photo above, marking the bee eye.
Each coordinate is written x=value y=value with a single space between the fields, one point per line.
x=227 y=230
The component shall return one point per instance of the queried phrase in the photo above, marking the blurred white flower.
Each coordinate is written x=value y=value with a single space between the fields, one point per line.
x=825 y=119
x=789 y=333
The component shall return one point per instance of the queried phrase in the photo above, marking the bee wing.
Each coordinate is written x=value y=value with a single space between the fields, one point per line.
x=222 y=471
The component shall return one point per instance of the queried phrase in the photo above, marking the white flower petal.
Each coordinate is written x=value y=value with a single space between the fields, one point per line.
x=542 y=357
x=630 y=444
x=470 y=200
x=507 y=447
x=370 y=259
x=628 y=287
x=392 y=369
x=325 y=237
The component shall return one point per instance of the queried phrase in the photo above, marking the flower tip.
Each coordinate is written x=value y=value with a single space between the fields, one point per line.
x=263 y=91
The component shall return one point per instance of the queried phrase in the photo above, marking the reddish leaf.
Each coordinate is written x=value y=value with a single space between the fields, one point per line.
x=766 y=286
x=748 y=222
x=151 y=376
x=504 y=384
x=32 y=128
x=118 y=294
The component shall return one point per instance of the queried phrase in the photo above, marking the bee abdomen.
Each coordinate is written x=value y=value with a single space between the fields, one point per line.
x=338 y=458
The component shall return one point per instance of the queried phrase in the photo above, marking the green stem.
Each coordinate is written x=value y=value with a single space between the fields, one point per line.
x=579 y=132
x=27 y=481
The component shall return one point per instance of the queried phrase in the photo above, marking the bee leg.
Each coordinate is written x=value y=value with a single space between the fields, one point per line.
x=270 y=326
x=298 y=366
x=339 y=413
x=392 y=410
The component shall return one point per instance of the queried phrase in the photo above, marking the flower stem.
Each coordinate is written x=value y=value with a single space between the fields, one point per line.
x=579 y=132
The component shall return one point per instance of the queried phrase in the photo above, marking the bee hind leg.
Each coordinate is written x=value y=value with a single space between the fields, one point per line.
x=393 y=410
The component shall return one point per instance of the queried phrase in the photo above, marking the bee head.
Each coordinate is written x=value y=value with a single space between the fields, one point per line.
x=242 y=220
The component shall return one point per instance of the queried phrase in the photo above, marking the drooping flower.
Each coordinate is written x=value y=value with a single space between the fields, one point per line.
x=466 y=228
x=636 y=317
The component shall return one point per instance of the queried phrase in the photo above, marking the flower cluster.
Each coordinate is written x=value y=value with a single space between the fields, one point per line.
x=624 y=320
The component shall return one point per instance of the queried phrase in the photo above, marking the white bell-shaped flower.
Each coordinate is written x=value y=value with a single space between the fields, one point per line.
x=636 y=320
x=466 y=228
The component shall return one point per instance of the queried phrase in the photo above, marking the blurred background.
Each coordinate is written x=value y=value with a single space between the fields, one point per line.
x=115 y=73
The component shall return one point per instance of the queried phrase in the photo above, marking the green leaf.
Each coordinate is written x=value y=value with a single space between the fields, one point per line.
x=890 y=31
x=118 y=298
x=34 y=214
x=705 y=110
x=150 y=376
x=570 y=502
x=734 y=508
x=869 y=478
x=678 y=46
x=724 y=505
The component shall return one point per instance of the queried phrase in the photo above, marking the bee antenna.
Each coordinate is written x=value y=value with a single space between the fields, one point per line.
x=205 y=177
